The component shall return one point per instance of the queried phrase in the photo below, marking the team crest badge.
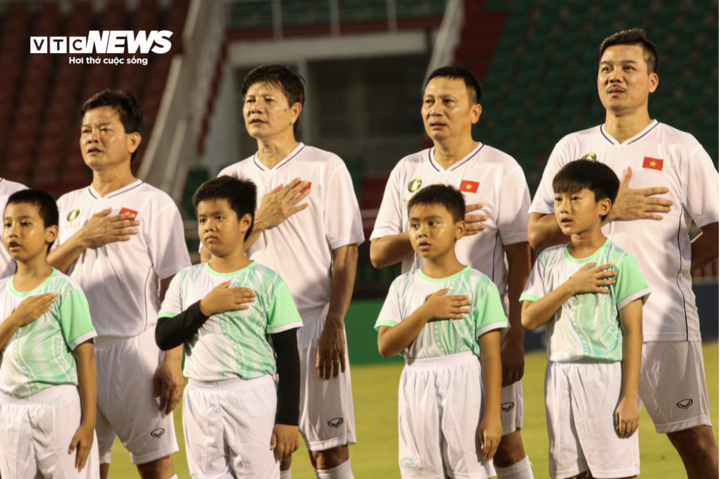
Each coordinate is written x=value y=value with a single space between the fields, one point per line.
x=414 y=185
x=590 y=156
x=73 y=214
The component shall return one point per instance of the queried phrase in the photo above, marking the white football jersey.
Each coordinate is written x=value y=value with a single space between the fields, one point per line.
x=486 y=176
x=7 y=188
x=658 y=156
x=300 y=248
x=121 y=279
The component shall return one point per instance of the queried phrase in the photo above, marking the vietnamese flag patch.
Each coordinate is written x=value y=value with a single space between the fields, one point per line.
x=468 y=186
x=306 y=188
x=652 y=163
x=128 y=211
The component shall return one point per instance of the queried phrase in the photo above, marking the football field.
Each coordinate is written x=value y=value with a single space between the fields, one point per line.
x=375 y=455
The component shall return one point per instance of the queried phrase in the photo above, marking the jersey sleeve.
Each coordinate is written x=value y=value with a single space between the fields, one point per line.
x=544 y=200
x=75 y=320
x=343 y=224
x=389 y=218
x=282 y=313
x=390 y=314
x=535 y=286
x=702 y=188
x=172 y=305
x=489 y=312
x=629 y=285
x=168 y=250
x=514 y=206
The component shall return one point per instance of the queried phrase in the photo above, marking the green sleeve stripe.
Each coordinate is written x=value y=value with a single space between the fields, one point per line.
x=167 y=314
x=529 y=297
x=384 y=322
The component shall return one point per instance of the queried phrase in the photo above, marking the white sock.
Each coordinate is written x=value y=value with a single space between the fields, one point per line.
x=519 y=470
x=286 y=474
x=343 y=471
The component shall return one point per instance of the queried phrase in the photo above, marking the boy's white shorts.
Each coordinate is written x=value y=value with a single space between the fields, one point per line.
x=36 y=432
x=440 y=404
x=126 y=407
x=580 y=402
x=228 y=428
x=327 y=417
x=511 y=408
x=672 y=385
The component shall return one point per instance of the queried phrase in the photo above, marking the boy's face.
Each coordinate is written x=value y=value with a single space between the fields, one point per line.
x=24 y=233
x=219 y=228
x=578 y=212
x=433 y=231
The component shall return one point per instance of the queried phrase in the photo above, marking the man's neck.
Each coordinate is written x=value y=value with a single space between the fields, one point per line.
x=32 y=273
x=106 y=181
x=622 y=127
x=442 y=266
x=586 y=243
x=450 y=151
x=272 y=151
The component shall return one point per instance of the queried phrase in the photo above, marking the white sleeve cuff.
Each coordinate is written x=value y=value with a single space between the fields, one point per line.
x=640 y=294
x=82 y=339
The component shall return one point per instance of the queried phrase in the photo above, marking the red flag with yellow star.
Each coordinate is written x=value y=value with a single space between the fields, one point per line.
x=652 y=163
x=125 y=211
x=468 y=186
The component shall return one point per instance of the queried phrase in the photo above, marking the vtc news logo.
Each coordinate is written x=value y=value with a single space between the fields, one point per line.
x=116 y=42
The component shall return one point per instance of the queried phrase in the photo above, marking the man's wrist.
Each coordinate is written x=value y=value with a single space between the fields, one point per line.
x=174 y=355
x=335 y=320
x=515 y=333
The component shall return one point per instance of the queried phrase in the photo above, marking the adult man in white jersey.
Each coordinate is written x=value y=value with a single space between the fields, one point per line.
x=123 y=241
x=652 y=159
x=7 y=188
x=496 y=241
x=314 y=251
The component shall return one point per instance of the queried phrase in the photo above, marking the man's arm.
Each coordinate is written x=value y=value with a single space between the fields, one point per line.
x=168 y=382
x=512 y=350
x=87 y=383
x=704 y=249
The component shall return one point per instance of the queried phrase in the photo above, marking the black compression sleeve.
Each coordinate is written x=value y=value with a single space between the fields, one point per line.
x=172 y=332
x=288 y=370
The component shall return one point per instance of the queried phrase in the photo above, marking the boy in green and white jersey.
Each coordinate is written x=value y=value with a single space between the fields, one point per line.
x=449 y=410
x=589 y=295
x=47 y=361
x=238 y=322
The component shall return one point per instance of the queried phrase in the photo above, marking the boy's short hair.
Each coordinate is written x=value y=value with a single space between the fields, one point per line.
x=43 y=201
x=280 y=76
x=596 y=177
x=127 y=107
x=446 y=196
x=240 y=194
x=635 y=36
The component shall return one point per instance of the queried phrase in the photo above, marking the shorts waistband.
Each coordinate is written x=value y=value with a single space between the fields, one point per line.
x=235 y=383
x=43 y=396
x=107 y=341
x=441 y=361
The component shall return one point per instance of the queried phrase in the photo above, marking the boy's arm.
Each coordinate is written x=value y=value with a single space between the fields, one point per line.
x=29 y=310
x=285 y=438
x=490 y=430
x=627 y=415
x=87 y=382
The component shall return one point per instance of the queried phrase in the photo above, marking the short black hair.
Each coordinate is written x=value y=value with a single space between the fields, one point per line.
x=279 y=76
x=43 y=201
x=240 y=194
x=580 y=174
x=127 y=107
x=472 y=84
x=635 y=36
x=446 y=196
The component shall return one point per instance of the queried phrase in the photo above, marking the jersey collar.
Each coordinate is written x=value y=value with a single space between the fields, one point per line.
x=629 y=141
x=284 y=161
x=470 y=156
x=122 y=190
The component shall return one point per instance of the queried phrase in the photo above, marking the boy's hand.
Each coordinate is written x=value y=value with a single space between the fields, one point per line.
x=490 y=433
x=83 y=441
x=284 y=440
x=441 y=307
x=223 y=298
x=627 y=417
x=33 y=307
x=594 y=280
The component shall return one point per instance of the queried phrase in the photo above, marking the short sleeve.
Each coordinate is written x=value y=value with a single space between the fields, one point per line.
x=702 y=188
x=535 y=286
x=282 y=313
x=390 y=314
x=172 y=305
x=168 y=250
x=489 y=312
x=343 y=224
x=514 y=206
x=390 y=215
x=629 y=285
x=544 y=200
x=75 y=320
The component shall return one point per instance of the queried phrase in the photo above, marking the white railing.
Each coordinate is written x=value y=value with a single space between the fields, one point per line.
x=448 y=36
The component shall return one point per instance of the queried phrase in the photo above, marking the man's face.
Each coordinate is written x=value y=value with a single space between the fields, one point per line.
x=579 y=212
x=219 y=228
x=433 y=232
x=446 y=109
x=267 y=112
x=24 y=232
x=624 y=83
x=103 y=140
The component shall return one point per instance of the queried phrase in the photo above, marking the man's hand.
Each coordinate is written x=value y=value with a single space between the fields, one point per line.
x=473 y=223
x=512 y=354
x=223 y=298
x=331 y=350
x=168 y=385
x=82 y=440
x=594 y=280
x=439 y=306
x=638 y=204
x=284 y=441
x=490 y=432
x=627 y=417
x=102 y=229
x=32 y=308
x=279 y=204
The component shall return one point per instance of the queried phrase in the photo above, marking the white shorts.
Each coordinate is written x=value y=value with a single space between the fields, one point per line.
x=36 y=432
x=327 y=417
x=672 y=385
x=511 y=408
x=126 y=407
x=440 y=406
x=228 y=427
x=580 y=402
